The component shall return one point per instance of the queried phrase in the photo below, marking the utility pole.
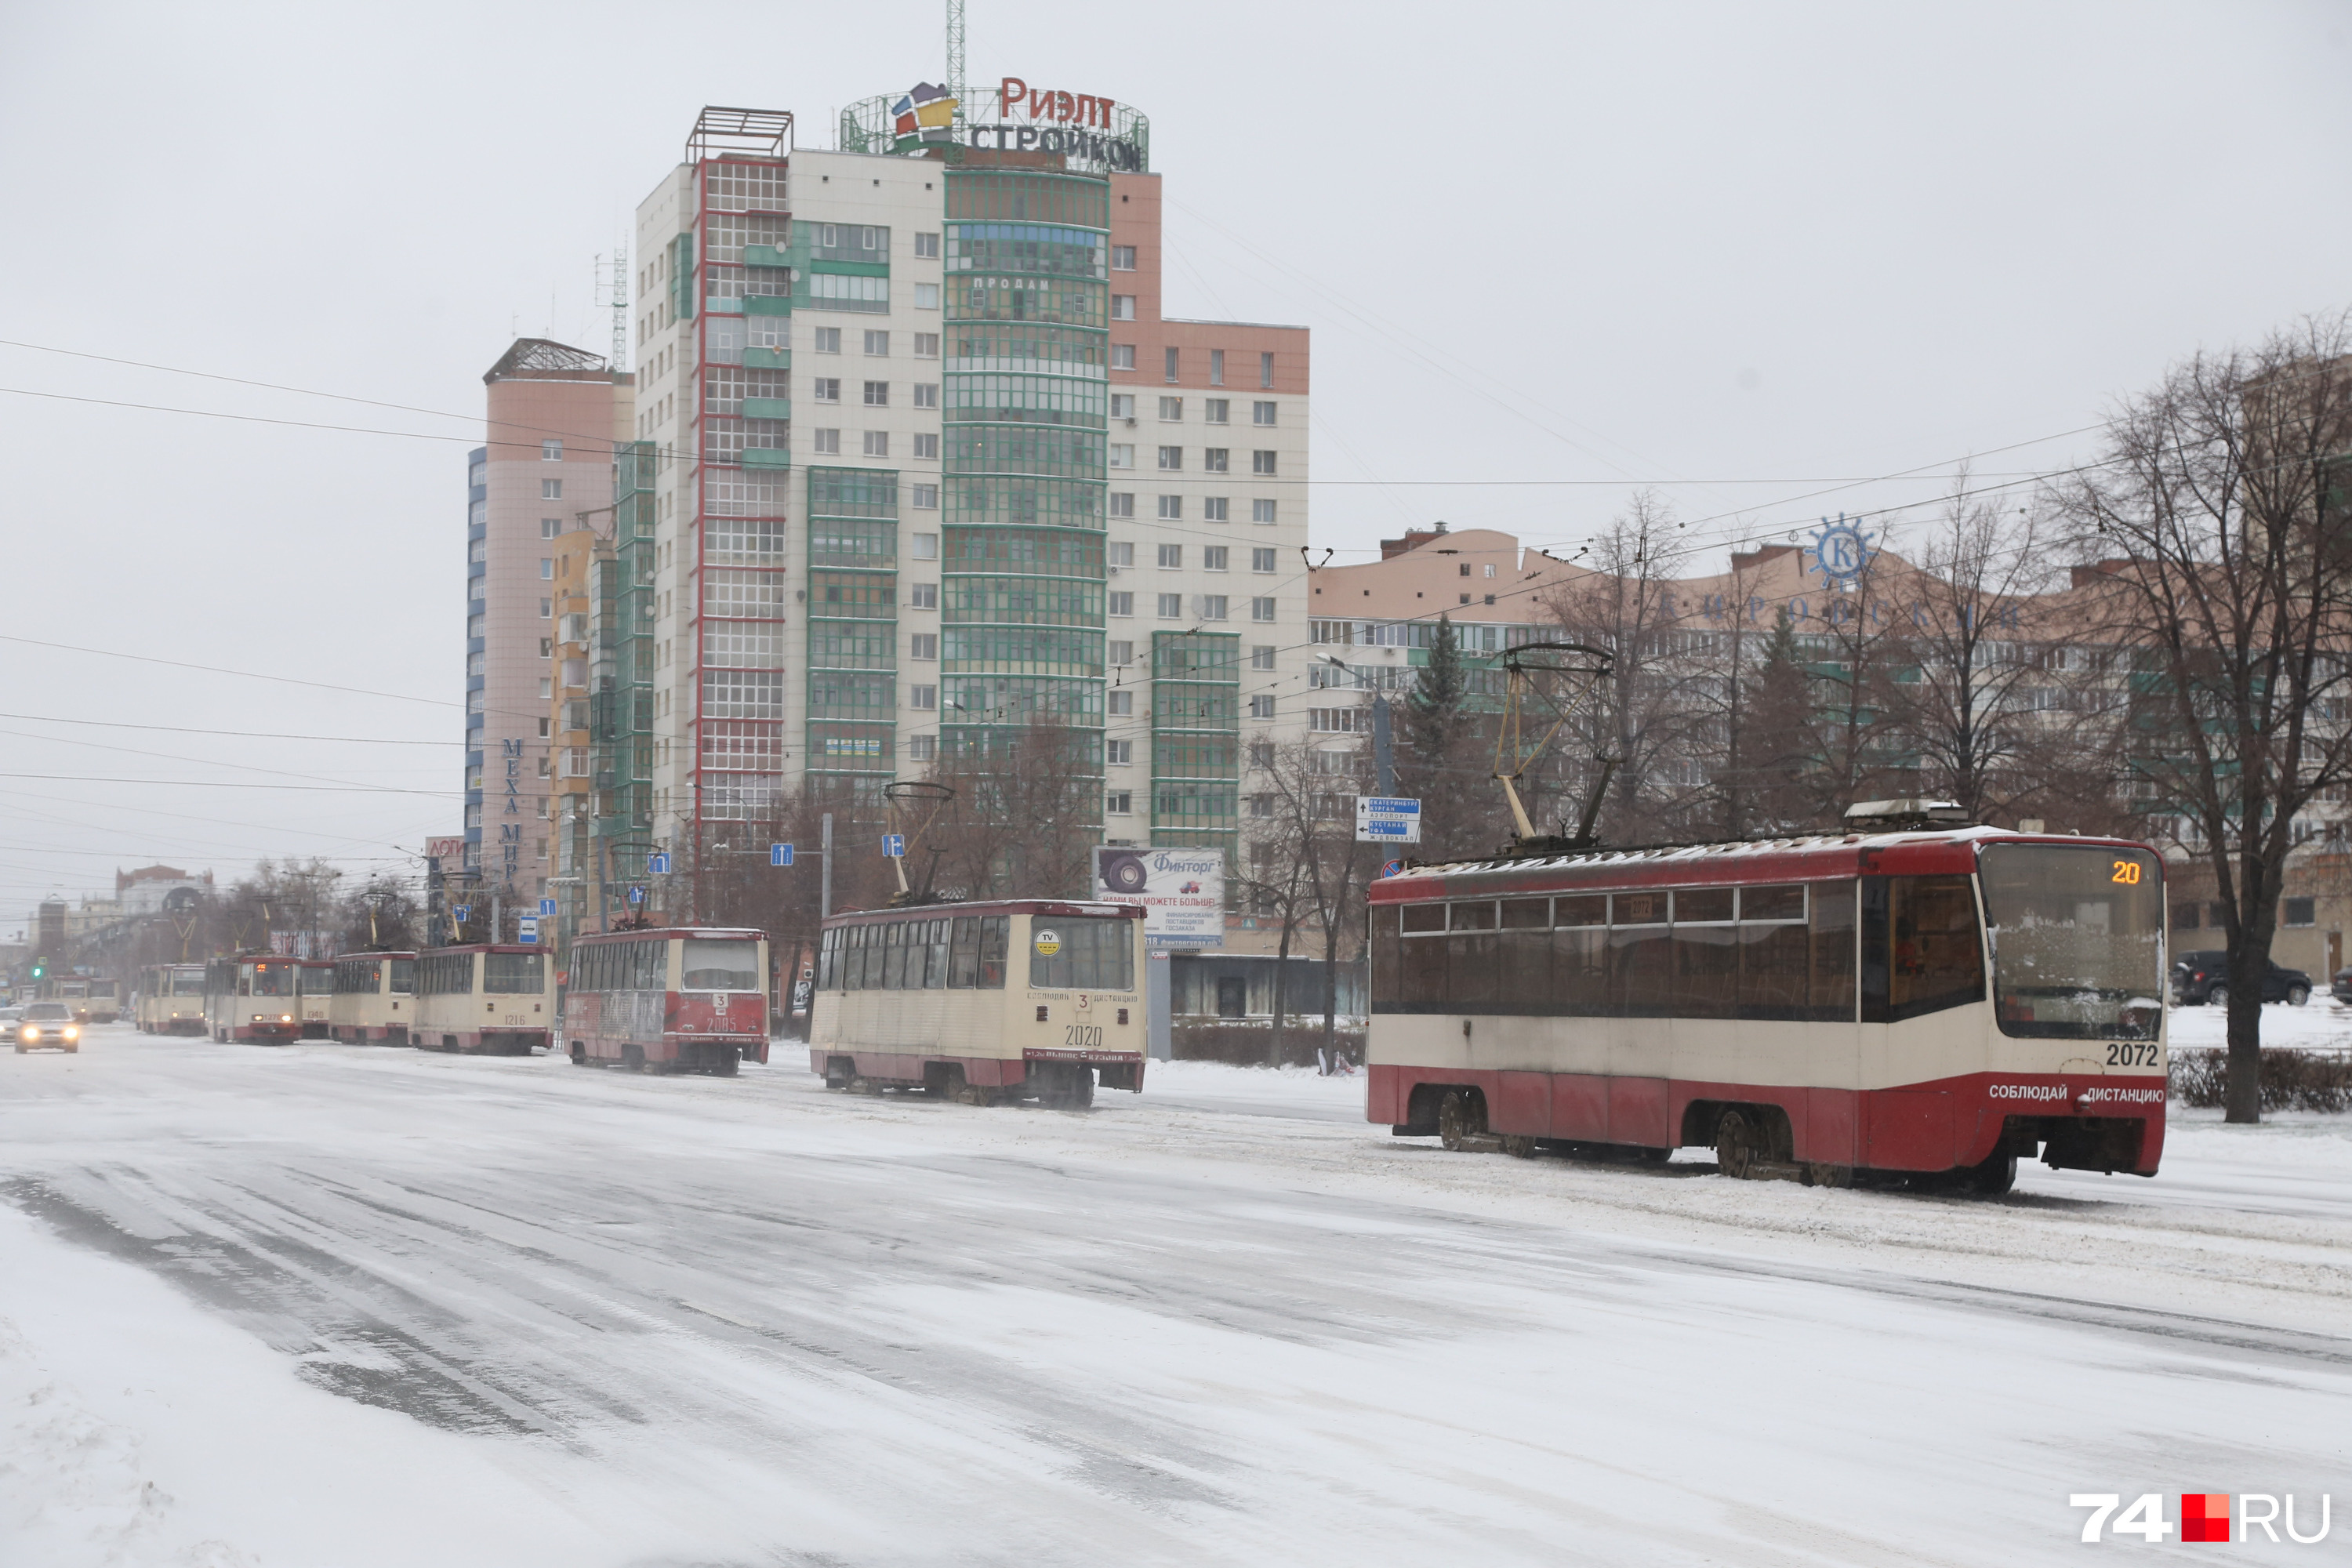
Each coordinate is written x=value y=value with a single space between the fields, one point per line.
x=1384 y=746
x=825 y=852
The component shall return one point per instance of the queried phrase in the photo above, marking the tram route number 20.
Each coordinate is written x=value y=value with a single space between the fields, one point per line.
x=2127 y=872
x=1082 y=1036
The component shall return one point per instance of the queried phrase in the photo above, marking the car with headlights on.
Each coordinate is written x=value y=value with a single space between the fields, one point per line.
x=48 y=1027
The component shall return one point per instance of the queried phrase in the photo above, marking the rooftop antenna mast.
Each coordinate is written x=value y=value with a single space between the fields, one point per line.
x=612 y=283
x=955 y=60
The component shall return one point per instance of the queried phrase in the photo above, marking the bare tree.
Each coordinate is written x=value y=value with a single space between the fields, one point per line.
x=2222 y=511
x=1312 y=790
x=1027 y=815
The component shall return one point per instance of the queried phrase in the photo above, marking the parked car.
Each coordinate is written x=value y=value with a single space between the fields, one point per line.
x=48 y=1027
x=11 y=1020
x=2201 y=979
x=2342 y=987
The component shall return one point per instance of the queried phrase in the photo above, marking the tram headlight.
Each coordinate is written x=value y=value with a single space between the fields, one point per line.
x=285 y=1017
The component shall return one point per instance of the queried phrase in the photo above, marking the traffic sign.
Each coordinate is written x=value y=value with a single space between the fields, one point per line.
x=1388 y=818
x=1391 y=868
x=527 y=928
x=636 y=895
x=779 y=854
x=658 y=864
x=464 y=913
x=547 y=909
x=893 y=846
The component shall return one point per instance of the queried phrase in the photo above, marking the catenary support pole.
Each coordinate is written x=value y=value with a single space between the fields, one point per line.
x=825 y=886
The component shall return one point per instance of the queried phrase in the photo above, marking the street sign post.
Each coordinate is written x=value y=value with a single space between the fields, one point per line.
x=893 y=846
x=658 y=864
x=779 y=854
x=463 y=912
x=547 y=909
x=527 y=929
x=1391 y=868
x=1387 y=820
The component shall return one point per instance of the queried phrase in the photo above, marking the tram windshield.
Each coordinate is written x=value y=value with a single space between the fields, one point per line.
x=2077 y=939
x=188 y=983
x=1082 y=952
x=270 y=980
x=720 y=965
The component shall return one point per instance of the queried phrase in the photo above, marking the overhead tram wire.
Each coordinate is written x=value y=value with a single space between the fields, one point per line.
x=221 y=783
x=235 y=734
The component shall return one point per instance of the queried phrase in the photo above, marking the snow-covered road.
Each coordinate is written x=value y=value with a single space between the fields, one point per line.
x=333 y=1305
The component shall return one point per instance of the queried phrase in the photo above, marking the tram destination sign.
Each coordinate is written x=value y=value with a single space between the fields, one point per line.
x=1387 y=820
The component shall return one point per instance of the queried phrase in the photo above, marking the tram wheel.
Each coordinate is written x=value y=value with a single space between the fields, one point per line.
x=1518 y=1146
x=1823 y=1174
x=1994 y=1177
x=1461 y=1116
x=1734 y=1145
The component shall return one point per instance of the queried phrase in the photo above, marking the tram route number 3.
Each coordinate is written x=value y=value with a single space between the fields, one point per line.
x=2123 y=1054
x=1082 y=1036
x=2127 y=872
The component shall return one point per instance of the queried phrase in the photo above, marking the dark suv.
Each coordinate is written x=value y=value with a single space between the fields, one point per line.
x=2202 y=978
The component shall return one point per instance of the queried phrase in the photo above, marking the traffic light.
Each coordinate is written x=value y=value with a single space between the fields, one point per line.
x=40 y=967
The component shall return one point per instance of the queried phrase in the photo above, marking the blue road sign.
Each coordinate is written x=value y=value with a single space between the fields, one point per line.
x=894 y=844
x=779 y=854
x=547 y=909
x=636 y=895
x=527 y=929
x=658 y=865
x=464 y=912
x=1391 y=868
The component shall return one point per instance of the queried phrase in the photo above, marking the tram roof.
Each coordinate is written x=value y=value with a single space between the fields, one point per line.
x=483 y=947
x=662 y=933
x=1797 y=857
x=1063 y=907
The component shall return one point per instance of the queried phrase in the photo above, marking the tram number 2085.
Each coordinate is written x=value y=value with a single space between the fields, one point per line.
x=1082 y=1036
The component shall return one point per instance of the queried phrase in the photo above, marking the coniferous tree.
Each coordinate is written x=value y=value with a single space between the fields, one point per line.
x=1780 y=713
x=1438 y=770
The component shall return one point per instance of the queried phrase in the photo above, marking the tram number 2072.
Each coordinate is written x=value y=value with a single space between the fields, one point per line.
x=2122 y=1054
x=1082 y=1036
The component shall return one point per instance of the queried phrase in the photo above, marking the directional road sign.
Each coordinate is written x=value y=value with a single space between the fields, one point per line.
x=527 y=928
x=464 y=913
x=658 y=865
x=779 y=854
x=894 y=844
x=547 y=909
x=1388 y=819
x=636 y=895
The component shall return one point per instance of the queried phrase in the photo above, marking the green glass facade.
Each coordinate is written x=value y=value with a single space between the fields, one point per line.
x=620 y=712
x=1025 y=412
x=1196 y=740
x=853 y=628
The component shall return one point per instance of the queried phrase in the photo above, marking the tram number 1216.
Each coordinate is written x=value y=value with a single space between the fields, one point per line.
x=1082 y=1036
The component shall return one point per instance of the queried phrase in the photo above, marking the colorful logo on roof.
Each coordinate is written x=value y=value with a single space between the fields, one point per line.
x=926 y=114
x=1842 y=551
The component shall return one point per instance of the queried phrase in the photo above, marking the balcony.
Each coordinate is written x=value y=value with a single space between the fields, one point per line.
x=767 y=359
x=767 y=408
x=767 y=458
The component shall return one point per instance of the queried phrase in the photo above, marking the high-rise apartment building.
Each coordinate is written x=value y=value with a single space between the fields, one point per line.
x=919 y=461
x=555 y=413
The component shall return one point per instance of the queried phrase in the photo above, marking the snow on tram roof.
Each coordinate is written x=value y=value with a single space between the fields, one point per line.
x=1674 y=855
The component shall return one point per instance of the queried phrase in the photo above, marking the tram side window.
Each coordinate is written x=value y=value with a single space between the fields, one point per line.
x=404 y=976
x=450 y=974
x=1096 y=953
x=935 y=966
x=1921 y=949
x=996 y=932
x=963 y=952
x=514 y=973
x=894 y=957
x=877 y=954
x=1830 y=924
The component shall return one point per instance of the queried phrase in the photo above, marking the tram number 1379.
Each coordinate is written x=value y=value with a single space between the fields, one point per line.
x=1082 y=1036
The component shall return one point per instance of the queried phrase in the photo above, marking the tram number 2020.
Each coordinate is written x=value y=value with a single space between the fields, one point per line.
x=1082 y=1036
x=2120 y=1055
x=2127 y=872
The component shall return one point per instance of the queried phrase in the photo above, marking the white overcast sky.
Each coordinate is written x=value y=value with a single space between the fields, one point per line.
x=1680 y=245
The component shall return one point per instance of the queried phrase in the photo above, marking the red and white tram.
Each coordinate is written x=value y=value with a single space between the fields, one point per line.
x=668 y=1000
x=986 y=1001
x=374 y=1000
x=1903 y=1002
x=498 y=1000
x=314 y=990
x=250 y=997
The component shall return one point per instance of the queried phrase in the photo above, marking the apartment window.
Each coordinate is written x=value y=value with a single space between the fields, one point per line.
x=1261 y=462
x=1122 y=405
x=547 y=568
x=927 y=246
x=1262 y=707
x=1119 y=704
x=1172 y=508
x=825 y=443
x=1172 y=557
x=1261 y=754
x=1122 y=258
x=1266 y=370
x=1490 y=598
x=922 y=595
x=1215 y=410
x=1216 y=508
x=547 y=609
x=1119 y=802
x=877 y=344
x=927 y=394
x=1172 y=457
x=1118 y=753
x=923 y=498
x=546 y=687
x=551 y=489
x=926 y=296
x=1261 y=609
x=1122 y=602
x=828 y=341
x=1122 y=454
x=551 y=451
x=1122 y=307
x=926 y=445
x=926 y=547
x=923 y=645
x=877 y=394
x=549 y=527
x=1260 y=511
x=2299 y=912
x=1261 y=654
x=1122 y=552
x=922 y=748
x=1122 y=650
x=1171 y=366
x=1464 y=568
x=923 y=696
x=1216 y=460
x=878 y=443
x=826 y=389
x=1172 y=606
x=546 y=650
x=1122 y=503
x=1212 y=558
x=1212 y=607
x=1172 y=410
x=1261 y=413
x=1262 y=559
x=927 y=345
x=1122 y=356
